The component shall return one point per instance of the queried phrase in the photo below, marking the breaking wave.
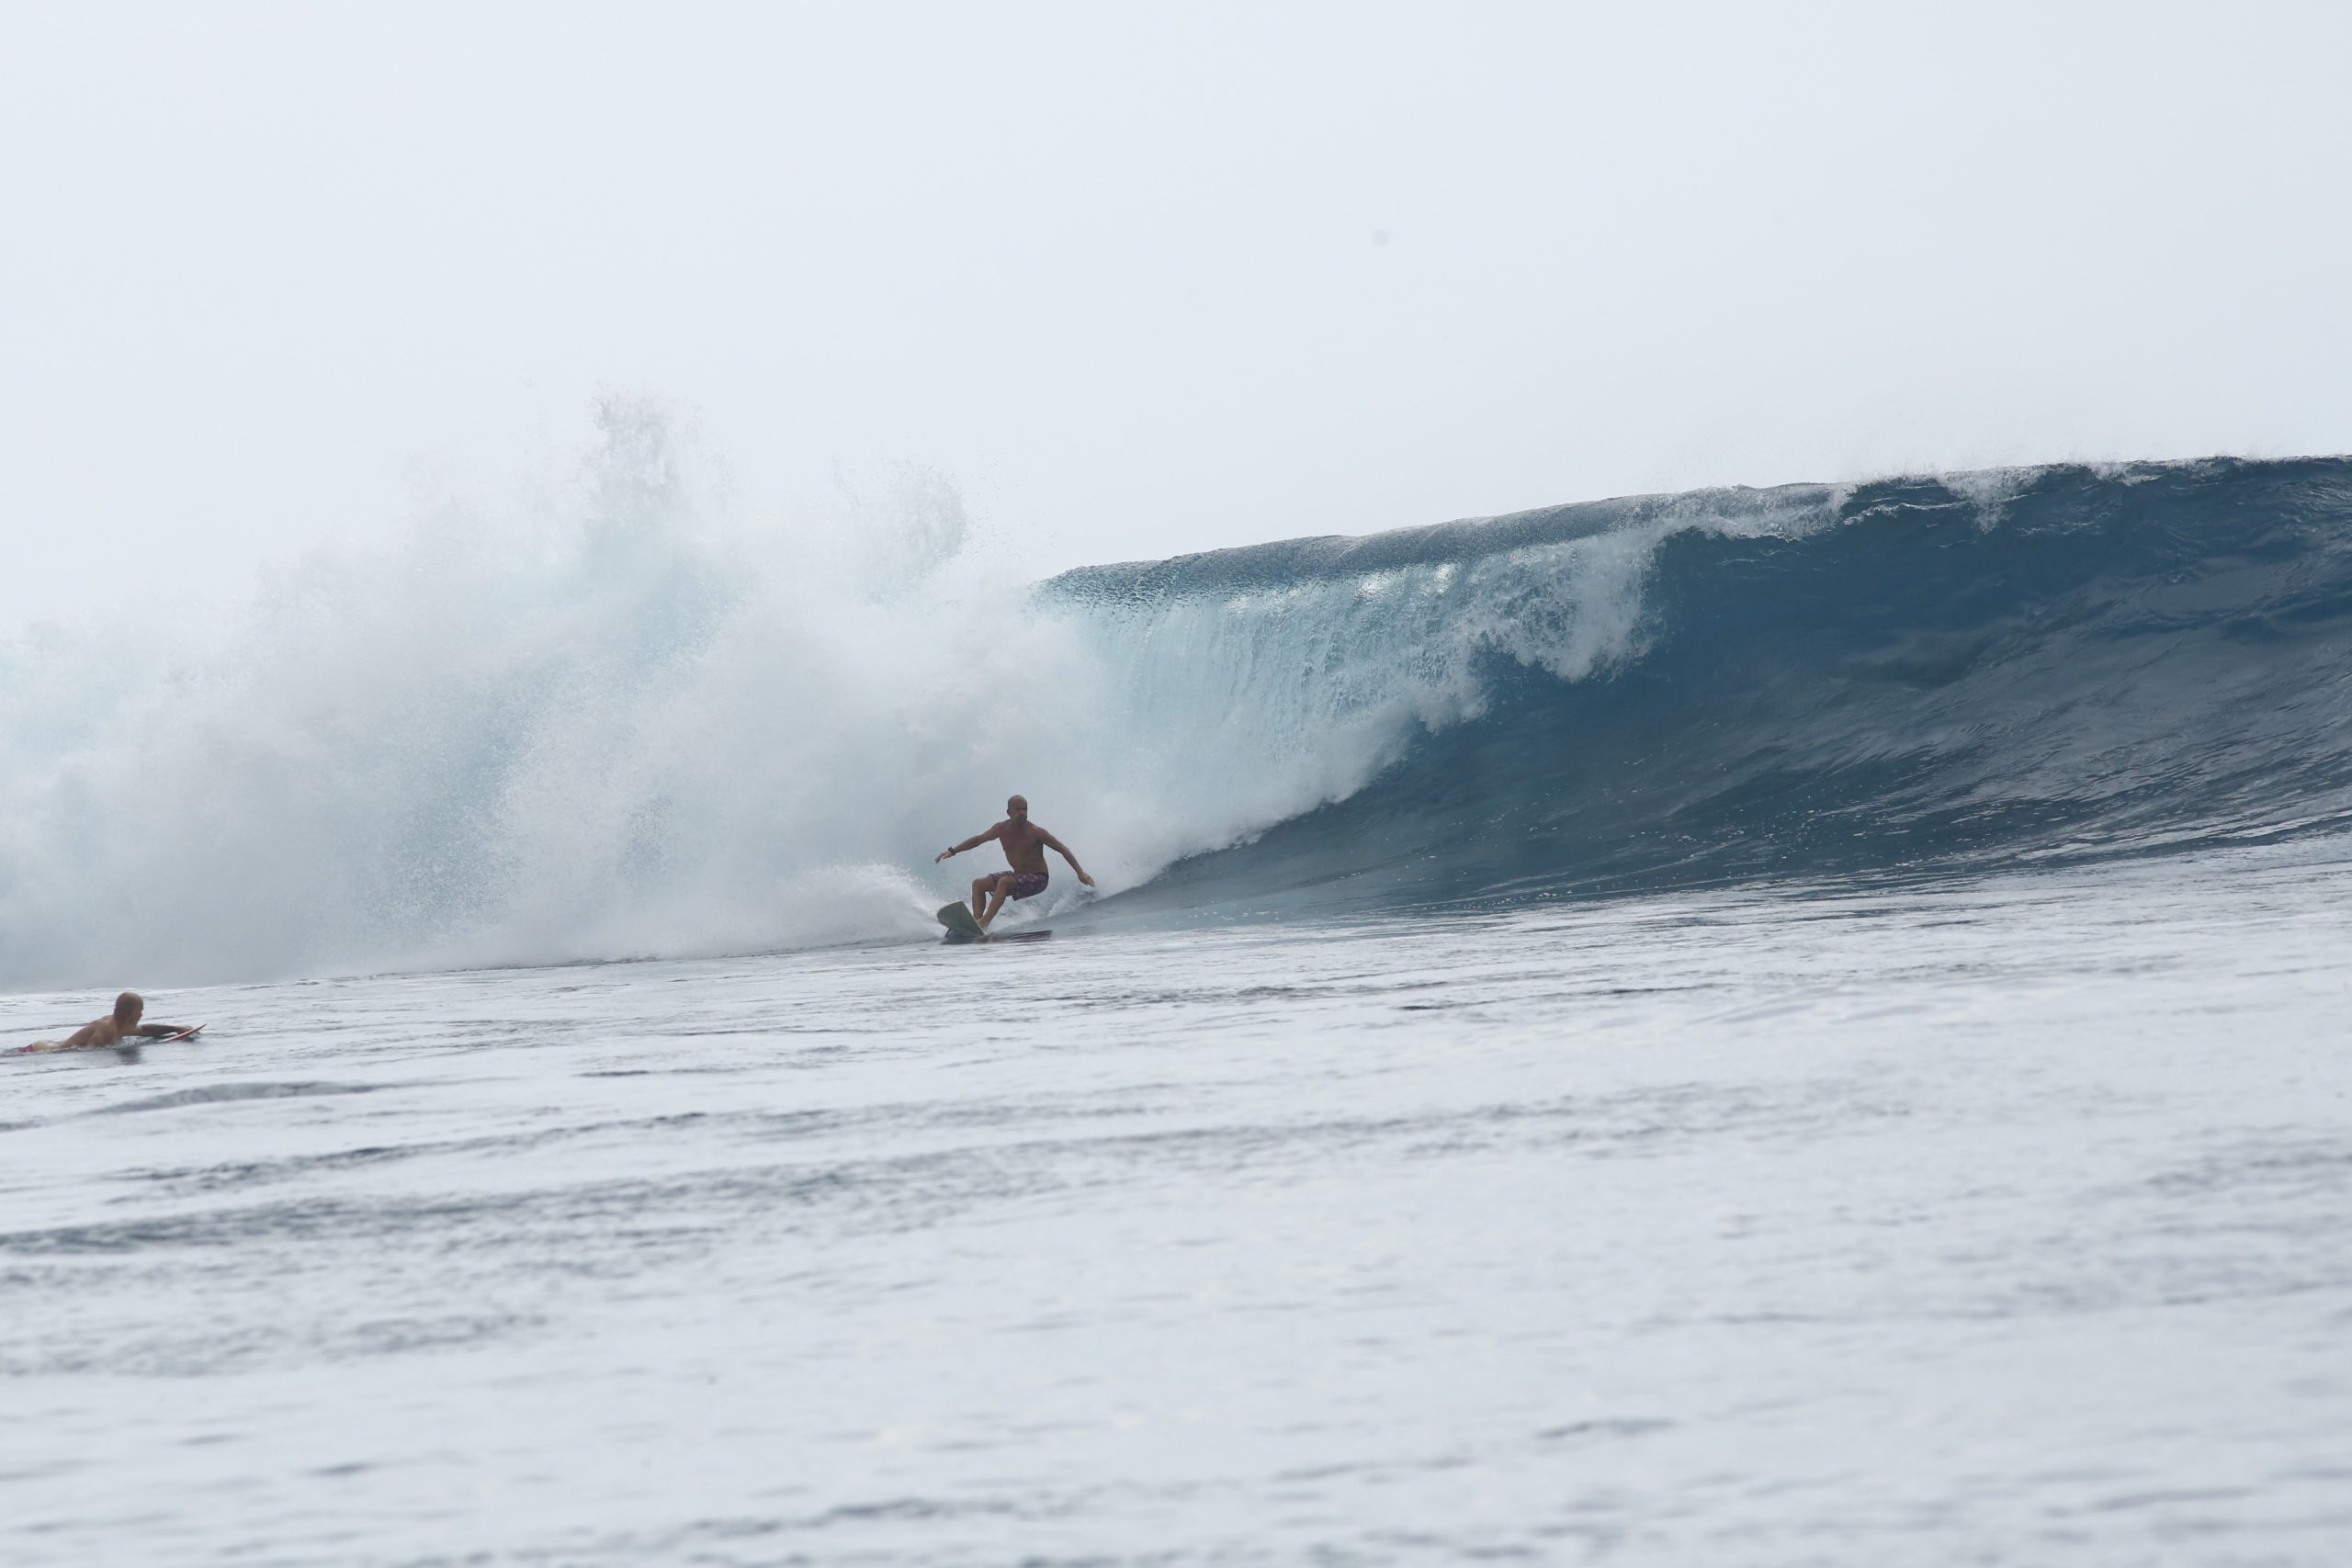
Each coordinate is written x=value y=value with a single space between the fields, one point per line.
x=627 y=722
x=1921 y=676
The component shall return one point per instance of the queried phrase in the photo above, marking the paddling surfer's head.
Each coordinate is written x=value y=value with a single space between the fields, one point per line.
x=128 y=1007
x=1017 y=809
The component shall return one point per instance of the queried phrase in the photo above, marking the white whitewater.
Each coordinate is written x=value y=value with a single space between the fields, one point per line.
x=624 y=718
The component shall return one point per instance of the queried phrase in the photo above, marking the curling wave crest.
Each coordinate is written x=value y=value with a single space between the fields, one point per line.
x=1918 y=677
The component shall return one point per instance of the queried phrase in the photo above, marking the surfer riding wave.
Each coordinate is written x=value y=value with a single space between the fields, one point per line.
x=1025 y=845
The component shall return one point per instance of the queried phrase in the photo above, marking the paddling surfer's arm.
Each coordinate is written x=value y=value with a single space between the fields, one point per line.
x=109 y=1031
x=974 y=843
x=105 y=1032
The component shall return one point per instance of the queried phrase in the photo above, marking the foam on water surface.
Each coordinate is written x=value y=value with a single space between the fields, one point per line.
x=1998 y=1219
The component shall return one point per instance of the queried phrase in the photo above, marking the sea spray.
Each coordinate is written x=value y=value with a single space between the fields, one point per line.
x=613 y=720
x=619 y=718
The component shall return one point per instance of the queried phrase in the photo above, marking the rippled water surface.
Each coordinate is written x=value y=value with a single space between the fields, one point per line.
x=2004 y=1222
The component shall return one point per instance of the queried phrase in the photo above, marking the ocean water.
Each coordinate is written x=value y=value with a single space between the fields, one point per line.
x=2001 y=1219
x=1795 y=1026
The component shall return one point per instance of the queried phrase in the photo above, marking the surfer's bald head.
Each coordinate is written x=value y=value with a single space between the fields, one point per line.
x=128 y=1007
x=1017 y=806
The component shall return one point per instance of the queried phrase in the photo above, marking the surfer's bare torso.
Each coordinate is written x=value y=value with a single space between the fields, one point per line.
x=1024 y=844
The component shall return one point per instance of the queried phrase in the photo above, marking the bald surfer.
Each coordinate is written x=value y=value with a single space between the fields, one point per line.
x=111 y=1029
x=1025 y=845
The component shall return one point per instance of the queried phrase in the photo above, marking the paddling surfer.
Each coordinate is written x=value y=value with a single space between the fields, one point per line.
x=111 y=1029
x=1025 y=845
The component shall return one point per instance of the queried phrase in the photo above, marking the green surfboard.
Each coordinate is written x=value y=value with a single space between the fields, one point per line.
x=962 y=927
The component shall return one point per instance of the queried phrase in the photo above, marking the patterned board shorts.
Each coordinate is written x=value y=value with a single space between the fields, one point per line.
x=1025 y=885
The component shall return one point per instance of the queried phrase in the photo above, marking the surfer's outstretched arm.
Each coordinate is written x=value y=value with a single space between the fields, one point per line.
x=1063 y=850
x=974 y=843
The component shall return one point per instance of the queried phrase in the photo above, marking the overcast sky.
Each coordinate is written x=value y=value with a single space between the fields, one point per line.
x=1142 y=279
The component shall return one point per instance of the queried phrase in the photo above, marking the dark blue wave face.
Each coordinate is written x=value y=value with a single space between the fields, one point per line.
x=2105 y=663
